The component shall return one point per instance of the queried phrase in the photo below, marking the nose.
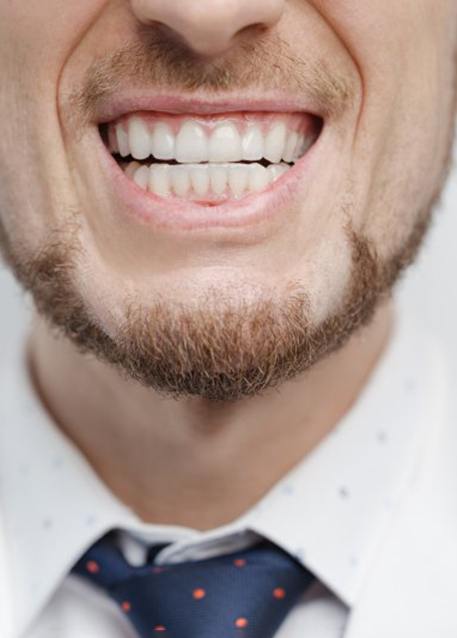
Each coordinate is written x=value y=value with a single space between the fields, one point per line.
x=209 y=27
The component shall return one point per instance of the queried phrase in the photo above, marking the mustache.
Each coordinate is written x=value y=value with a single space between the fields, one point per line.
x=158 y=59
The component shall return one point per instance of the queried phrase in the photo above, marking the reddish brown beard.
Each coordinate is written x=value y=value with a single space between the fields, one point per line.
x=224 y=355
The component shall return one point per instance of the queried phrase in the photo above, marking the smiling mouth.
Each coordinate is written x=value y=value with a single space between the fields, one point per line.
x=209 y=159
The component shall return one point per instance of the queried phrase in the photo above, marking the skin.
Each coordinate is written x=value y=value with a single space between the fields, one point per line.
x=191 y=460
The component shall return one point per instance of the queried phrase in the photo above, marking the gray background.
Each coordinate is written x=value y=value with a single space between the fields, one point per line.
x=429 y=287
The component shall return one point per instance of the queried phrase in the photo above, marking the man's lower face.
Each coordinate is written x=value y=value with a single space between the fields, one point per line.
x=214 y=228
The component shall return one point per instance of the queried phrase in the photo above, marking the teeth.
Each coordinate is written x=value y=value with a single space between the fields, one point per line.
x=140 y=144
x=196 y=142
x=275 y=142
x=291 y=145
x=205 y=155
x=180 y=180
x=304 y=144
x=258 y=177
x=163 y=142
x=199 y=178
x=191 y=143
x=141 y=177
x=238 y=179
x=276 y=170
x=122 y=141
x=204 y=180
x=218 y=176
x=225 y=144
x=253 y=144
x=159 y=179
x=132 y=168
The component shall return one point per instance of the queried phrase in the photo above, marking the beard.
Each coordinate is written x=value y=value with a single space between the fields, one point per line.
x=220 y=349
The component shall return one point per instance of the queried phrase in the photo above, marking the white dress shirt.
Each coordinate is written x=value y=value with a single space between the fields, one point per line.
x=329 y=511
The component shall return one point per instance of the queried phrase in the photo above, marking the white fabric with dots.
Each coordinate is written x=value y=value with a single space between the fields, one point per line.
x=329 y=511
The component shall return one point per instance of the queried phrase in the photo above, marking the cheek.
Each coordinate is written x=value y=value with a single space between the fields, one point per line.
x=326 y=274
x=36 y=38
x=406 y=61
x=45 y=31
x=411 y=162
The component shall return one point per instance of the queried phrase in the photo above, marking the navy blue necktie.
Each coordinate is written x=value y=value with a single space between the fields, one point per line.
x=245 y=594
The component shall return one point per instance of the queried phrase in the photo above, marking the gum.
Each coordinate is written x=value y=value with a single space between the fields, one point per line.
x=299 y=122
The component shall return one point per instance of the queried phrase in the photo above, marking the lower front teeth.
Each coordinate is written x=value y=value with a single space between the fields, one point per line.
x=214 y=181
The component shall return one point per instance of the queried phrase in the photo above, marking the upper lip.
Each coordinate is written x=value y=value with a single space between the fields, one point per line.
x=114 y=107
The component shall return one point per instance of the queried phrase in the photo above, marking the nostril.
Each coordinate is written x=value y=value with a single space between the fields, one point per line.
x=208 y=27
x=182 y=42
x=258 y=28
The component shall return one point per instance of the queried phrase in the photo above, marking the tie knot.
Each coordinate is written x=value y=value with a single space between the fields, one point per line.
x=250 y=590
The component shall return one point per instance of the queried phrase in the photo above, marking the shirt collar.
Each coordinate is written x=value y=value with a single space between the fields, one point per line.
x=329 y=511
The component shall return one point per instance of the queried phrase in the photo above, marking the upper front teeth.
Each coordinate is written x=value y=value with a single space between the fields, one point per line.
x=193 y=143
x=252 y=144
x=224 y=144
x=162 y=142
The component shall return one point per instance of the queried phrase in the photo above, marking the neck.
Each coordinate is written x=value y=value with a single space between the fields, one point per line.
x=191 y=462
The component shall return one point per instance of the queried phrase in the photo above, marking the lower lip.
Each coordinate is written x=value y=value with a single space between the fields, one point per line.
x=173 y=214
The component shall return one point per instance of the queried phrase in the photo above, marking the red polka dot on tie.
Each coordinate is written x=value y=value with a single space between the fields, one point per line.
x=160 y=628
x=92 y=566
x=158 y=570
x=199 y=593
x=239 y=562
x=126 y=606
x=240 y=623
x=279 y=592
